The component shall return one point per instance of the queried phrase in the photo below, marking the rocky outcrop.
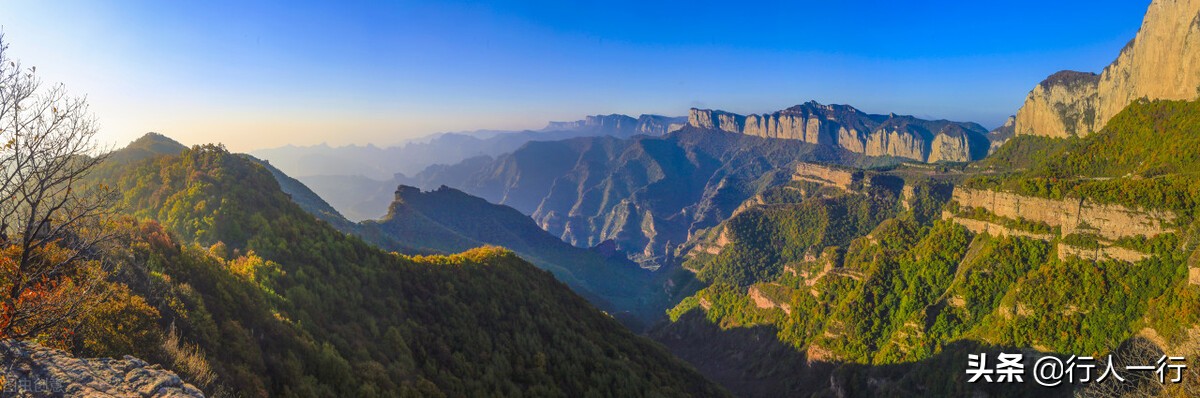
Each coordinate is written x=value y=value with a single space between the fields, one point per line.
x=1108 y=222
x=659 y=125
x=849 y=128
x=622 y=124
x=1002 y=134
x=762 y=300
x=716 y=120
x=993 y=229
x=1161 y=62
x=1073 y=215
x=826 y=175
x=31 y=370
x=1061 y=106
x=1101 y=253
x=1194 y=268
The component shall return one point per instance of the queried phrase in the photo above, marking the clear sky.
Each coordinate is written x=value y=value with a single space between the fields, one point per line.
x=256 y=74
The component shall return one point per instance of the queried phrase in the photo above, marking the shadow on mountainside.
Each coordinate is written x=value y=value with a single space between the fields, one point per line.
x=752 y=362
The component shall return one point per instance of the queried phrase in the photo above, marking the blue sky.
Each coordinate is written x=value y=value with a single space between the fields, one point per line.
x=255 y=74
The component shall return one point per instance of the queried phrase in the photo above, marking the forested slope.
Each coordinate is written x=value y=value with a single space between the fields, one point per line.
x=865 y=287
x=239 y=289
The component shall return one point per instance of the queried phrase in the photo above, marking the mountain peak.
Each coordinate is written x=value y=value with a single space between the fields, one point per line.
x=1070 y=78
x=153 y=139
x=1161 y=62
x=148 y=146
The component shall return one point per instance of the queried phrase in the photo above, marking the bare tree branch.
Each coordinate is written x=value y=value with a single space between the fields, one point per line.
x=51 y=225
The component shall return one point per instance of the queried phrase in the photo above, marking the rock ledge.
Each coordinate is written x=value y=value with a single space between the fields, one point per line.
x=31 y=370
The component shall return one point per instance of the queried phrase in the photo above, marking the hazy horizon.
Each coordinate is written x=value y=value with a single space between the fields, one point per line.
x=271 y=74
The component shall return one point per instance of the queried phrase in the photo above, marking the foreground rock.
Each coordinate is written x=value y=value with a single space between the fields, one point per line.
x=31 y=370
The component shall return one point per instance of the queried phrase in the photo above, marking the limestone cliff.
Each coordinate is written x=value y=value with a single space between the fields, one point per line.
x=1108 y=222
x=31 y=370
x=622 y=124
x=849 y=128
x=658 y=125
x=826 y=175
x=1002 y=134
x=1073 y=215
x=1161 y=62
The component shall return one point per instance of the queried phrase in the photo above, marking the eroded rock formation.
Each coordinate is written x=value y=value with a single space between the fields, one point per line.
x=644 y=124
x=846 y=127
x=1108 y=222
x=1161 y=62
x=826 y=175
x=1073 y=215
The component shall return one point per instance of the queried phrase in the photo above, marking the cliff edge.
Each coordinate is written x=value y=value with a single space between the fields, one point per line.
x=1161 y=62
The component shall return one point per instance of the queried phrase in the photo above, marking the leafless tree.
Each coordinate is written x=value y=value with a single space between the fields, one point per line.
x=51 y=221
x=1135 y=351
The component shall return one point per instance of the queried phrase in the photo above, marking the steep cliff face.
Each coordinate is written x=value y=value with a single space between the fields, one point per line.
x=716 y=120
x=1060 y=106
x=659 y=125
x=1072 y=216
x=1002 y=134
x=849 y=128
x=1161 y=62
x=621 y=124
x=826 y=175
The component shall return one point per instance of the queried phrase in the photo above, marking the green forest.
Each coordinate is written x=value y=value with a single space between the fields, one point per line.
x=869 y=285
x=1145 y=157
x=240 y=291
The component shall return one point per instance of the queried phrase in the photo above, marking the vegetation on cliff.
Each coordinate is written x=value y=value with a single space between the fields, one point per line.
x=1146 y=157
x=895 y=289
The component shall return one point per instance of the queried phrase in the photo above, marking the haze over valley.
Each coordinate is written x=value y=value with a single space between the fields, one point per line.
x=786 y=209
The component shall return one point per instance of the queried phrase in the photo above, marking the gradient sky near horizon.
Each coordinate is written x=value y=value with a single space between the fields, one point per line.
x=259 y=74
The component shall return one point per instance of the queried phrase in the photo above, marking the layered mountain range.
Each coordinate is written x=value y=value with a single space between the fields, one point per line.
x=848 y=128
x=1161 y=62
x=233 y=283
x=648 y=195
x=449 y=148
x=447 y=220
x=800 y=253
x=358 y=180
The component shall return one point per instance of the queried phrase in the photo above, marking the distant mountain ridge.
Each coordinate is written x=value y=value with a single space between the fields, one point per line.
x=644 y=124
x=382 y=163
x=648 y=195
x=846 y=127
x=447 y=220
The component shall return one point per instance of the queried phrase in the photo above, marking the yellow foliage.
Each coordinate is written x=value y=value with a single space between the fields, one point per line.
x=119 y=324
